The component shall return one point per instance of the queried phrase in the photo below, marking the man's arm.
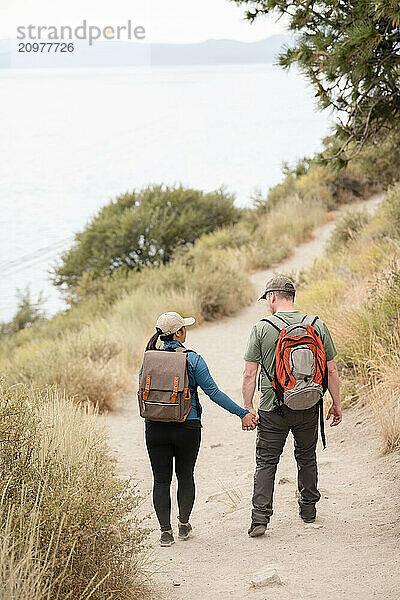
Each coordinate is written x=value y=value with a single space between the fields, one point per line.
x=249 y=384
x=335 y=410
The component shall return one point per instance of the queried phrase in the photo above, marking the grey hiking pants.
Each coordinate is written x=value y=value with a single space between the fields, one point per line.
x=272 y=432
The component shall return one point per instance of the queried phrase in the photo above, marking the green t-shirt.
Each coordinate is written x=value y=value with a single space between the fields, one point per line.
x=261 y=348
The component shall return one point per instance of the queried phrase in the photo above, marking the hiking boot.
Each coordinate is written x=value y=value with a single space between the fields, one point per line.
x=257 y=529
x=166 y=539
x=184 y=531
x=308 y=513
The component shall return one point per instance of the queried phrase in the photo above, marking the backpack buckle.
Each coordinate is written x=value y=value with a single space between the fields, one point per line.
x=147 y=388
x=175 y=389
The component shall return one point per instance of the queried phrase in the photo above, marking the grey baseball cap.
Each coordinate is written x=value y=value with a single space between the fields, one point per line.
x=171 y=322
x=280 y=283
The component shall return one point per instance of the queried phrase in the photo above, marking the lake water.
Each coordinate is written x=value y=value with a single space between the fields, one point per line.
x=71 y=140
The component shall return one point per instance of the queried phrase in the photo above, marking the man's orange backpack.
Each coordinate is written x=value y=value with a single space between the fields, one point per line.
x=301 y=376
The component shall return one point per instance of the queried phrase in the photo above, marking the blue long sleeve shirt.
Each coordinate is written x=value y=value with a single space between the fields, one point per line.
x=199 y=375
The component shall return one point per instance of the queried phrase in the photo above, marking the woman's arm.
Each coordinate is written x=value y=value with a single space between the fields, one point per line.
x=209 y=387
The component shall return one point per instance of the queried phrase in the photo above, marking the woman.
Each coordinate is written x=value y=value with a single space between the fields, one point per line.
x=181 y=440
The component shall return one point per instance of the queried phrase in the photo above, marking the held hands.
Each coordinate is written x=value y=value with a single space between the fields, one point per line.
x=336 y=412
x=250 y=420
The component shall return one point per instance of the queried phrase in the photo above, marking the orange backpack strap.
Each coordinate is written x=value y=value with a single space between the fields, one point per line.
x=175 y=389
x=147 y=388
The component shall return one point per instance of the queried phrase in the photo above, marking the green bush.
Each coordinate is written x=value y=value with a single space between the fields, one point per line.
x=143 y=228
x=379 y=163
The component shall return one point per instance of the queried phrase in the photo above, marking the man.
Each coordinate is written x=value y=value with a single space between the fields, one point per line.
x=277 y=419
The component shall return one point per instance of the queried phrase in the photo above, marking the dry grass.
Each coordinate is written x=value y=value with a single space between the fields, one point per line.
x=96 y=362
x=280 y=231
x=384 y=366
x=92 y=350
x=68 y=526
x=355 y=289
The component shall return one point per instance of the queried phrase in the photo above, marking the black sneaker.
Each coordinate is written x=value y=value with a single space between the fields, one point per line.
x=308 y=514
x=166 y=539
x=184 y=531
x=257 y=529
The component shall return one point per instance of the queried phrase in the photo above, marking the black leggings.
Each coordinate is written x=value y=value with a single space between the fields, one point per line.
x=164 y=442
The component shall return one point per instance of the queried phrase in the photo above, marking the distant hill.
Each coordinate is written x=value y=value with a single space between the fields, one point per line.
x=218 y=52
x=122 y=54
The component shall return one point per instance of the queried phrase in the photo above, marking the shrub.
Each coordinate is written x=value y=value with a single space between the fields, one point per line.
x=84 y=364
x=379 y=163
x=391 y=213
x=347 y=229
x=143 y=228
x=279 y=231
x=28 y=312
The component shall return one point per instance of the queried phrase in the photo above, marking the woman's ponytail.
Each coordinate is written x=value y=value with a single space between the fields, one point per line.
x=152 y=343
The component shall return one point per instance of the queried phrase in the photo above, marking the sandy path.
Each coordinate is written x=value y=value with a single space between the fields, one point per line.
x=352 y=550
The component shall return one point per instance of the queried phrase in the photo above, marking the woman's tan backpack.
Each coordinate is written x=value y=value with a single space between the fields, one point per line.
x=164 y=393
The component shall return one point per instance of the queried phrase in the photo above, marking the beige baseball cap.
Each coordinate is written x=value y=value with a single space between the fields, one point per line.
x=171 y=322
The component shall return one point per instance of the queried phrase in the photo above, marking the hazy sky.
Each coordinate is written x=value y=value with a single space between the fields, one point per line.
x=164 y=20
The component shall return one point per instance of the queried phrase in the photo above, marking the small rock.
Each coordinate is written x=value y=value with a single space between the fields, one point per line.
x=285 y=480
x=326 y=460
x=233 y=515
x=313 y=525
x=216 y=445
x=265 y=577
x=176 y=584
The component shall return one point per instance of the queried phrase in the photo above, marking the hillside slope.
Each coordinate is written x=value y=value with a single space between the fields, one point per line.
x=352 y=549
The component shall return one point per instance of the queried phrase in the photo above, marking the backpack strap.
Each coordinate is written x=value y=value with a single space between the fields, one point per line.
x=279 y=324
x=180 y=349
x=309 y=320
x=322 y=422
x=276 y=322
x=278 y=328
x=196 y=395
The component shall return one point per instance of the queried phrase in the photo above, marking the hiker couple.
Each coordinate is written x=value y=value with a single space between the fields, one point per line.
x=295 y=355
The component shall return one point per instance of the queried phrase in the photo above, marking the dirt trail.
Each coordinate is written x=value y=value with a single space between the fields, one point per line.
x=352 y=551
